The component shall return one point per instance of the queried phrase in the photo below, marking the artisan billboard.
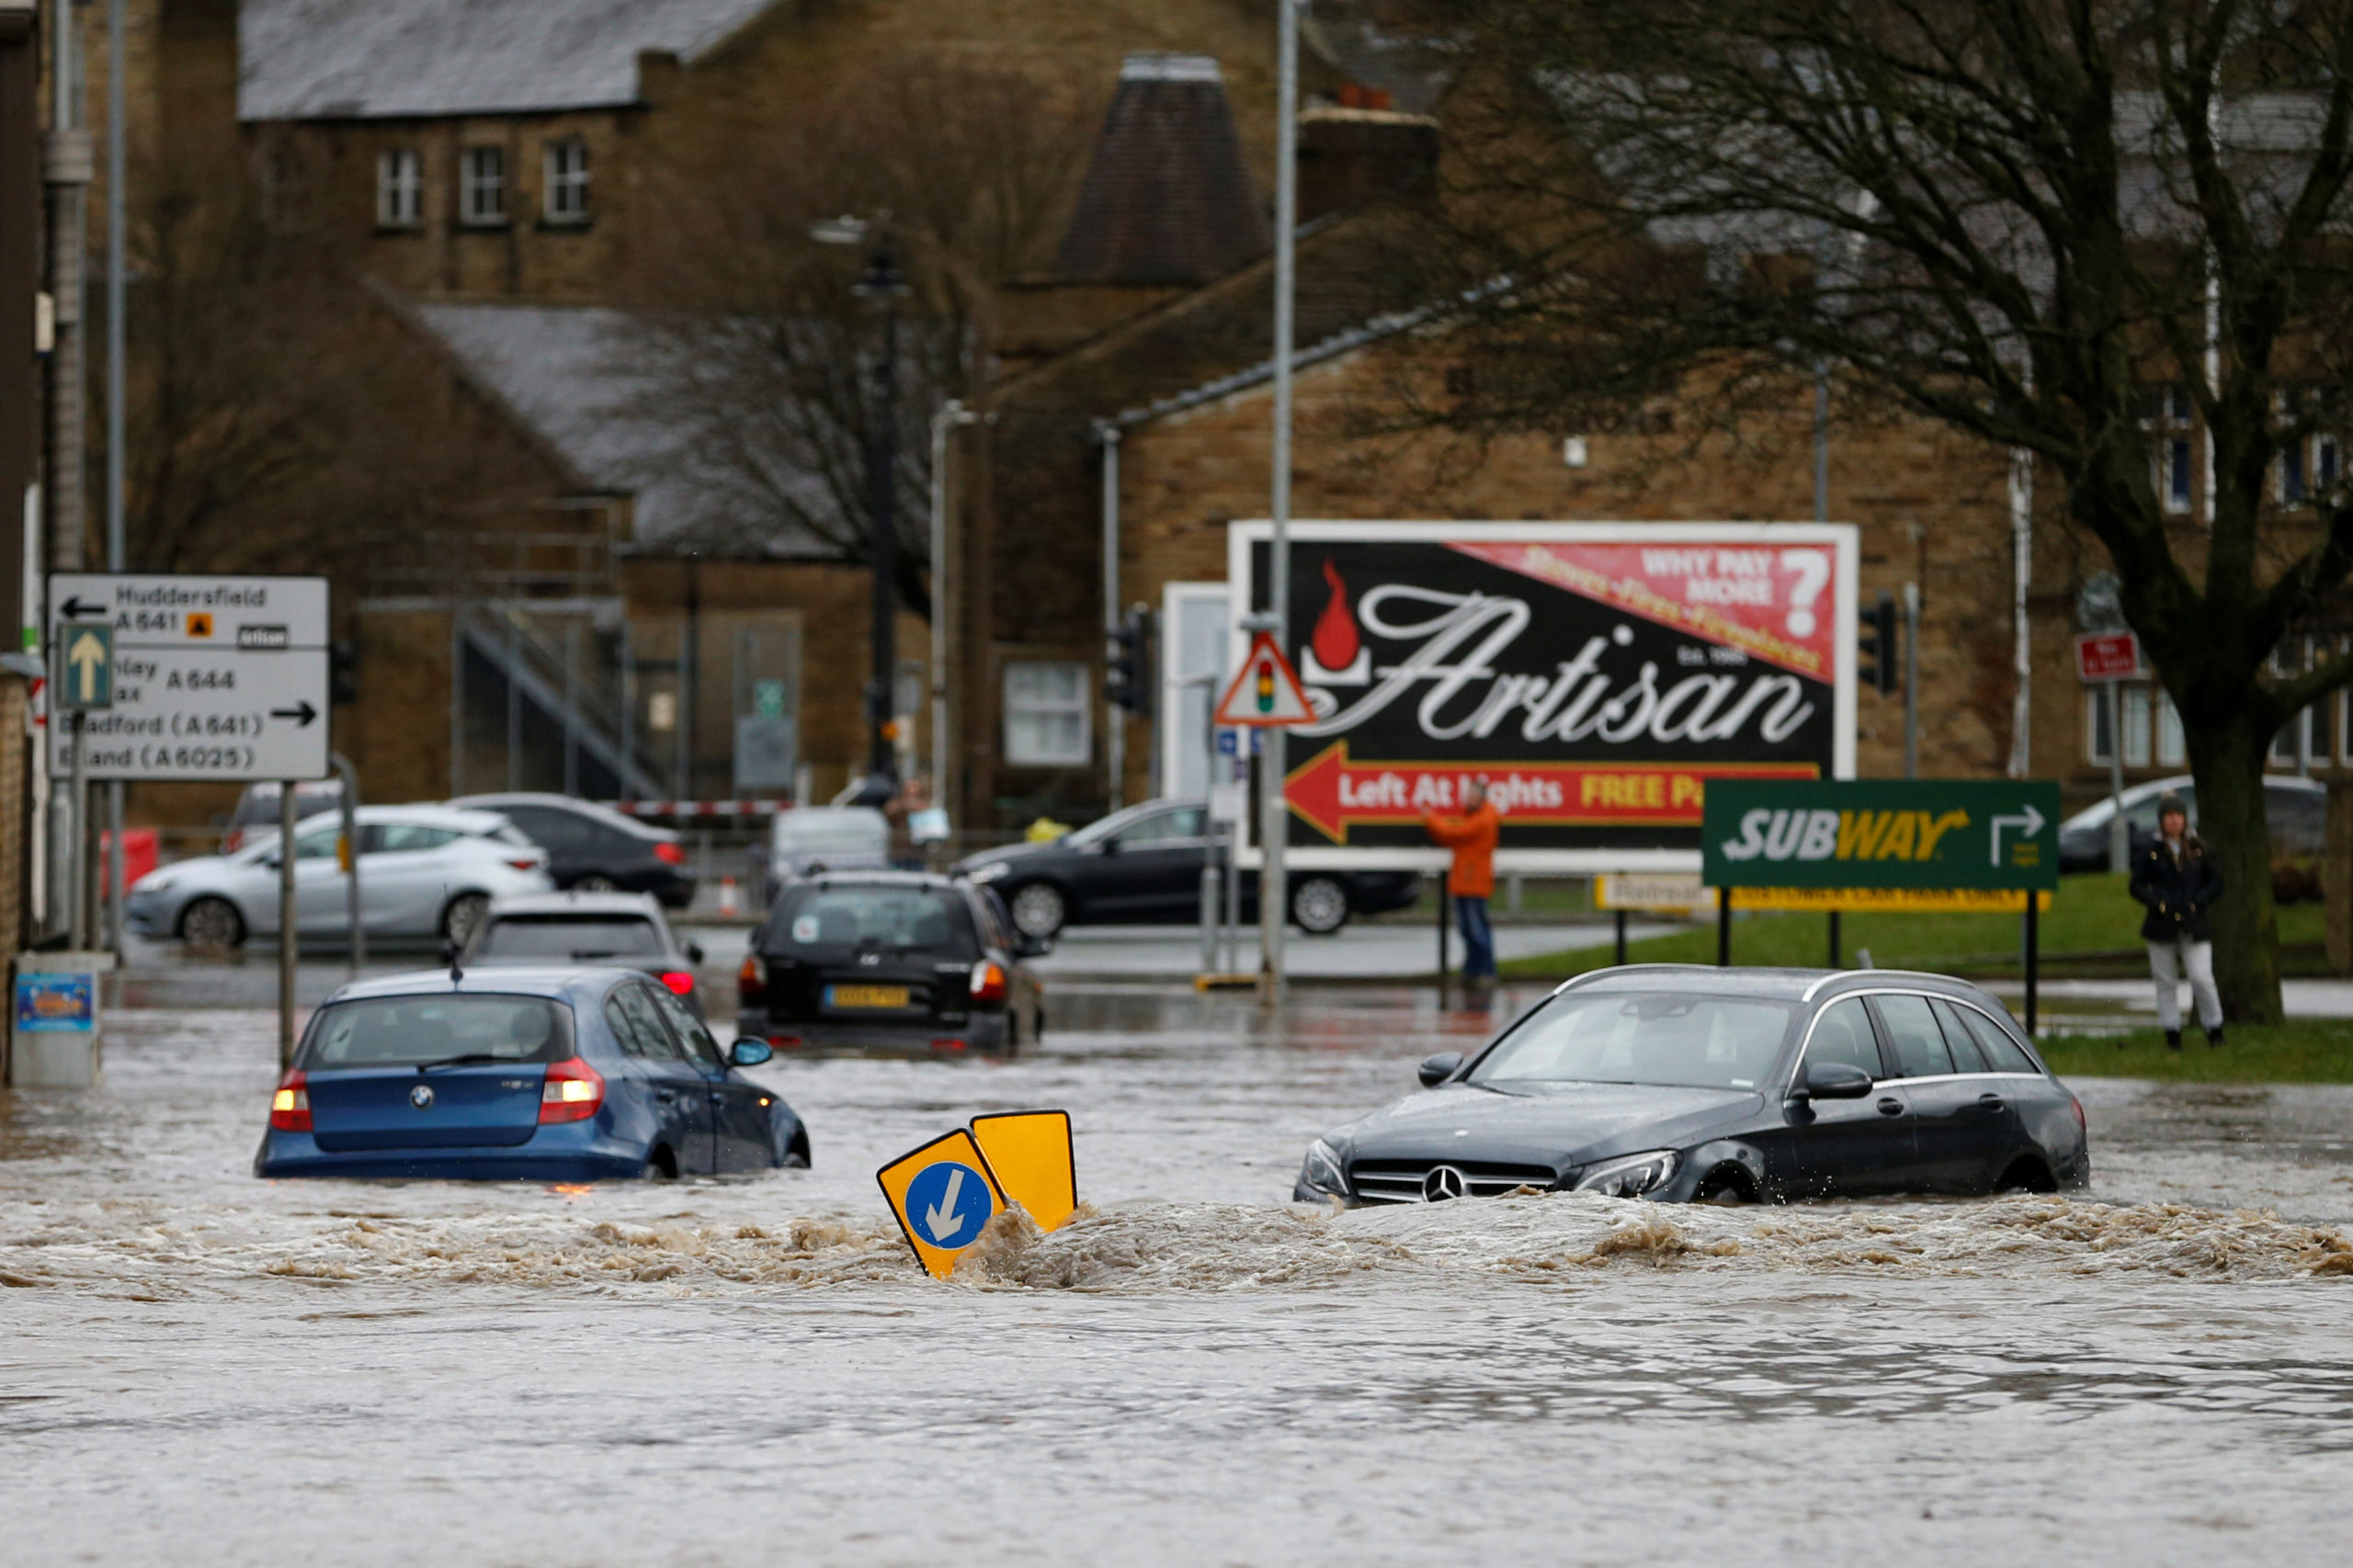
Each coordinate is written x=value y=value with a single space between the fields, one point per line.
x=1595 y=675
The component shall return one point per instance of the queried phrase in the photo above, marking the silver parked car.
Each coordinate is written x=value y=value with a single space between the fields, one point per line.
x=424 y=873
x=809 y=839
x=618 y=930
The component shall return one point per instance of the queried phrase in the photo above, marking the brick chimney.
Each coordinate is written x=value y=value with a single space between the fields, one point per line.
x=1166 y=198
x=1361 y=150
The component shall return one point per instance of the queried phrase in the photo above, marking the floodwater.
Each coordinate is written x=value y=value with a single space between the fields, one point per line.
x=199 y=1367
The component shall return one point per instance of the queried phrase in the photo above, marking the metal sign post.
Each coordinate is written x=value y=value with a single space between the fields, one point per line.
x=289 y=944
x=2111 y=658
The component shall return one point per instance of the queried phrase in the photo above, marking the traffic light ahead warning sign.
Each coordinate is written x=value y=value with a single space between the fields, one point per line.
x=1266 y=689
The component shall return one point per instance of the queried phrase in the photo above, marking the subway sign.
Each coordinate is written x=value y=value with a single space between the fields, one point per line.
x=1881 y=834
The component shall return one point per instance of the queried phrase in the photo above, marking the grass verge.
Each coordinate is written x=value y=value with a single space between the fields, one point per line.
x=2302 y=1050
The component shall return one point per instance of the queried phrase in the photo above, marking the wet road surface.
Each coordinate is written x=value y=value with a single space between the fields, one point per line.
x=196 y=1366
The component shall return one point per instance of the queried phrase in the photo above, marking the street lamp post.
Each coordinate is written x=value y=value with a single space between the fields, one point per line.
x=881 y=287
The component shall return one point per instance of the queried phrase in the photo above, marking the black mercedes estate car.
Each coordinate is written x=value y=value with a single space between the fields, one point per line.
x=1680 y=1083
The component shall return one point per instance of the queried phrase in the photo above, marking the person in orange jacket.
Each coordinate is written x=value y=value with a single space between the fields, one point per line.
x=1471 y=877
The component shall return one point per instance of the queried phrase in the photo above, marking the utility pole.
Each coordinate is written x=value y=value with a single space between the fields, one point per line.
x=953 y=414
x=116 y=550
x=1273 y=886
x=883 y=285
x=66 y=169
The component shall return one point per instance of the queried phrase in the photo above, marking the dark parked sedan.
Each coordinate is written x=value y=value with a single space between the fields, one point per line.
x=594 y=848
x=890 y=960
x=551 y=1074
x=1143 y=866
x=1678 y=1082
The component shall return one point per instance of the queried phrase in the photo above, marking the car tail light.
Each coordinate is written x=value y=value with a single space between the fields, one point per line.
x=680 y=980
x=669 y=852
x=988 y=983
x=289 y=1107
x=572 y=1091
x=946 y=1043
x=752 y=982
x=785 y=1041
x=528 y=862
x=235 y=841
x=2077 y=1106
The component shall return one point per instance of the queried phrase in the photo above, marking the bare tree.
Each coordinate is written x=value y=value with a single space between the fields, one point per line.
x=278 y=415
x=750 y=340
x=2077 y=229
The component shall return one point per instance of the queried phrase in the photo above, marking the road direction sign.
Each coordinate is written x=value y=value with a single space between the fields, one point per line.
x=1265 y=690
x=1881 y=834
x=2107 y=655
x=84 y=681
x=1029 y=1154
x=212 y=679
x=942 y=1196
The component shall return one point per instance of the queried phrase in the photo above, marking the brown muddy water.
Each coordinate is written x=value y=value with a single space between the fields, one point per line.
x=199 y=1367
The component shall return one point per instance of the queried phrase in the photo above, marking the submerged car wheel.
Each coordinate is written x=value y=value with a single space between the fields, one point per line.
x=1038 y=910
x=464 y=914
x=1320 y=905
x=213 y=924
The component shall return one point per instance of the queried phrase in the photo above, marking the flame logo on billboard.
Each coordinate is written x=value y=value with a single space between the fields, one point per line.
x=1335 y=642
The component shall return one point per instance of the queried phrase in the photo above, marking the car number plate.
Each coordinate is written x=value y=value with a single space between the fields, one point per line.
x=866 y=995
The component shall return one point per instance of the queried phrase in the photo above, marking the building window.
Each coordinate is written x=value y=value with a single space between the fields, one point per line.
x=2152 y=728
x=1046 y=715
x=482 y=191
x=567 y=181
x=400 y=189
x=2166 y=411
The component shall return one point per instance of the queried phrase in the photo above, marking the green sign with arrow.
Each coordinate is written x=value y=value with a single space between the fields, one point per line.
x=1910 y=833
x=84 y=667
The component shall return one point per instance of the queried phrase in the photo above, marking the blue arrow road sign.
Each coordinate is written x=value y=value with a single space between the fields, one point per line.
x=948 y=1204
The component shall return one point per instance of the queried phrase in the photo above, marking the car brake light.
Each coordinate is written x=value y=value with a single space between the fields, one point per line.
x=669 y=853
x=233 y=842
x=2077 y=1106
x=948 y=1044
x=784 y=1041
x=573 y=1091
x=988 y=983
x=680 y=980
x=289 y=1107
x=526 y=863
x=751 y=983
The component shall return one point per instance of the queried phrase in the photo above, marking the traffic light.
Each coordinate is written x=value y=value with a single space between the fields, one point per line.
x=1127 y=662
x=343 y=672
x=1878 y=664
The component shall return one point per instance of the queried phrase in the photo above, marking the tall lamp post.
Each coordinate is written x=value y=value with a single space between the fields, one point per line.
x=881 y=286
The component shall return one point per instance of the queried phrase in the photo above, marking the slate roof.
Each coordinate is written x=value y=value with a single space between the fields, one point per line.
x=563 y=371
x=1166 y=198
x=386 y=58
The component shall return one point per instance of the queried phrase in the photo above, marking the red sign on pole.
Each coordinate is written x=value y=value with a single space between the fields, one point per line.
x=2107 y=655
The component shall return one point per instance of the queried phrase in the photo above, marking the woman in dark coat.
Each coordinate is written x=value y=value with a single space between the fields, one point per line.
x=2175 y=877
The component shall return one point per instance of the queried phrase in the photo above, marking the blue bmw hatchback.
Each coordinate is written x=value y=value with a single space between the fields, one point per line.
x=556 y=1074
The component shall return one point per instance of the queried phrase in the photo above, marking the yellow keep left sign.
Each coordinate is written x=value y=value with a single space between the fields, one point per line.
x=942 y=1196
x=1028 y=1153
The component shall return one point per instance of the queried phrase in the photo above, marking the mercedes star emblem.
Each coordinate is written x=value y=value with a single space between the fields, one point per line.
x=1442 y=1182
x=421 y=1097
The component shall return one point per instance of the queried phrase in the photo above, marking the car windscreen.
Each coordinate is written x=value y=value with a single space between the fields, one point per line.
x=841 y=918
x=1665 y=1038
x=579 y=938
x=411 y=1031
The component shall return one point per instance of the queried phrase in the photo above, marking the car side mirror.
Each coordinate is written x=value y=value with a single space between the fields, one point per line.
x=749 y=1052
x=1438 y=1069
x=1835 y=1081
x=1109 y=847
x=694 y=951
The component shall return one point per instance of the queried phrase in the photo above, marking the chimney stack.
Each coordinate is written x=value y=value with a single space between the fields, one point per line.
x=1166 y=198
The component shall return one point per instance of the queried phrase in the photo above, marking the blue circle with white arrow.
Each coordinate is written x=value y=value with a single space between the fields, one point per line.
x=948 y=1204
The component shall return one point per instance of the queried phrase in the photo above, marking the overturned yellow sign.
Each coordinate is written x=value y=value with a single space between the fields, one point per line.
x=1028 y=1153
x=942 y=1196
x=945 y=1193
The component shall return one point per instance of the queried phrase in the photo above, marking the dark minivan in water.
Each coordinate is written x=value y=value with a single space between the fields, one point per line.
x=889 y=960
